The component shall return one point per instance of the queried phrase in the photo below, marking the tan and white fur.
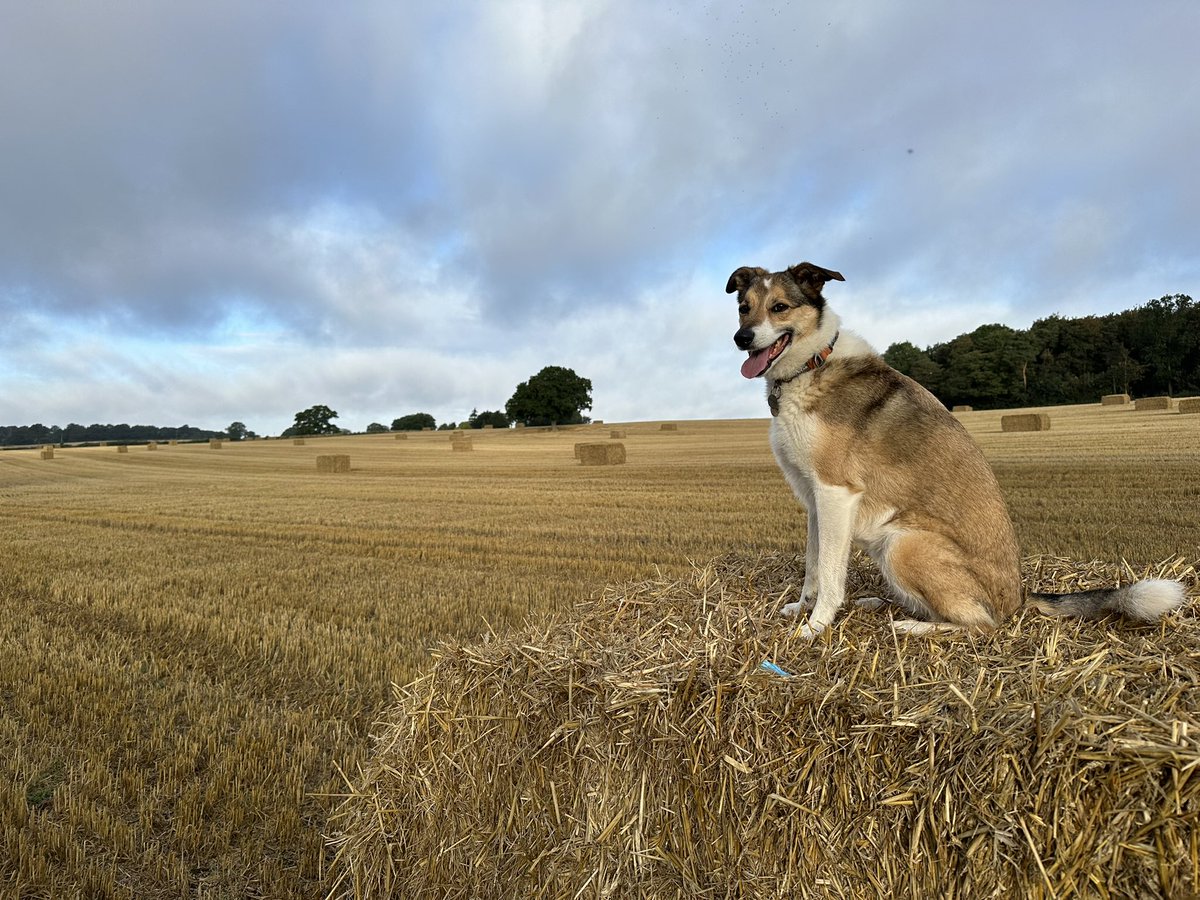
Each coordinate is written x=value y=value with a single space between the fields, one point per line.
x=880 y=463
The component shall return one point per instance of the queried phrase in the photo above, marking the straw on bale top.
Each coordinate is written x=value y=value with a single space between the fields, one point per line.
x=640 y=749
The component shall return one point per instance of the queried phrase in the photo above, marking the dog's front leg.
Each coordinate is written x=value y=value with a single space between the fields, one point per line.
x=812 y=584
x=836 y=508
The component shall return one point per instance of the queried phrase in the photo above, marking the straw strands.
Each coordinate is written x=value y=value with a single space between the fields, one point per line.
x=1025 y=422
x=640 y=748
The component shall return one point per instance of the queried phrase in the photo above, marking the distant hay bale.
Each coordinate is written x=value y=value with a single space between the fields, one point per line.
x=963 y=408
x=298 y=442
x=47 y=452
x=462 y=444
x=600 y=454
x=333 y=463
x=1191 y=405
x=214 y=444
x=401 y=437
x=102 y=443
x=617 y=434
x=668 y=426
x=457 y=435
x=520 y=425
x=597 y=421
x=1025 y=422
x=1114 y=399
x=152 y=446
x=489 y=427
x=638 y=748
x=1152 y=403
x=122 y=448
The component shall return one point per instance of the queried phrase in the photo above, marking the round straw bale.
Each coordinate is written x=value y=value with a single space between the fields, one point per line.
x=1152 y=403
x=1114 y=400
x=1191 y=405
x=600 y=454
x=639 y=745
x=1025 y=422
x=333 y=463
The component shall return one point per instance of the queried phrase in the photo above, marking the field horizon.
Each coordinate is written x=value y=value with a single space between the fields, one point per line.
x=198 y=641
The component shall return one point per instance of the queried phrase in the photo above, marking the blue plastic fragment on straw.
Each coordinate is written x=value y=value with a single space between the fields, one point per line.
x=774 y=669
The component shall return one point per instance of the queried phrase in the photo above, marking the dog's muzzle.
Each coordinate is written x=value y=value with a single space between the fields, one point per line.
x=744 y=338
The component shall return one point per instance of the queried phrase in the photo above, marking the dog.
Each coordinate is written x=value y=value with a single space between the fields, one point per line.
x=878 y=462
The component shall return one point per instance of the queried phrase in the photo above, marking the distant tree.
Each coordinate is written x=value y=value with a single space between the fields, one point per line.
x=494 y=418
x=413 y=422
x=376 y=428
x=237 y=431
x=314 y=420
x=907 y=359
x=447 y=426
x=555 y=395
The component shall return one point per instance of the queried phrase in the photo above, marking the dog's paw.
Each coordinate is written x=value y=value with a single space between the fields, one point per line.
x=809 y=631
x=870 y=603
x=797 y=609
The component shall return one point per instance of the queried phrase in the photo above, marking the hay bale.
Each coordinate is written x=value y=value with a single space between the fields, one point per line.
x=638 y=749
x=668 y=426
x=1025 y=422
x=47 y=452
x=333 y=462
x=1152 y=403
x=298 y=442
x=617 y=434
x=600 y=454
x=520 y=425
x=1191 y=405
x=462 y=444
x=963 y=408
x=214 y=444
x=1114 y=400
x=401 y=437
x=152 y=446
x=457 y=435
x=122 y=448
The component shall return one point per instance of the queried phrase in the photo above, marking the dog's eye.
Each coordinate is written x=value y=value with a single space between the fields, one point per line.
x=743 y=309
x=779 y=307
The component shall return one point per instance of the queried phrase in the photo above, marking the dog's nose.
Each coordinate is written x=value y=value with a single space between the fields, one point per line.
x=744 y=338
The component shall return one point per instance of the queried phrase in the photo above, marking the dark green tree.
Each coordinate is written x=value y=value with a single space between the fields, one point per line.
x=314 y=420
x=495 y=418
x=413 y=422
x=237 y=431
x=555 y=395
x=376 y=428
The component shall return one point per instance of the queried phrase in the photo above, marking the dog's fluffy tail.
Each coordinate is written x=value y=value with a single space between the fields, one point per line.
x=1144 y=601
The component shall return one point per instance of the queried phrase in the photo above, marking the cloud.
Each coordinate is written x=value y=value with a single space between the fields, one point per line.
x=476 y=187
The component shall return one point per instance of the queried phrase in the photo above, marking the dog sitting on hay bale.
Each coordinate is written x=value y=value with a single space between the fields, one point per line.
x=641 y=750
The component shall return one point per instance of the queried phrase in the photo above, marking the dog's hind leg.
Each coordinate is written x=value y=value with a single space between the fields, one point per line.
x=930 y=578
x=836 y=508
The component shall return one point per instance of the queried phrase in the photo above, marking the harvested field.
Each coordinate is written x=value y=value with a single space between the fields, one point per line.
x=194 y=643
x=637 y=748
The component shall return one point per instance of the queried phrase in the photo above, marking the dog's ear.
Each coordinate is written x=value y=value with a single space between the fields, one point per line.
x=740 y=280
x=807 y=273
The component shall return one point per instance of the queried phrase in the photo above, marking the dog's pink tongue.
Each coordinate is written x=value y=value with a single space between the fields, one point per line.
x=756 y=363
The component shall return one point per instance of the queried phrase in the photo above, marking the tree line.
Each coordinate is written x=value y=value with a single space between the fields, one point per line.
x=1151 y=350
x=20 y=435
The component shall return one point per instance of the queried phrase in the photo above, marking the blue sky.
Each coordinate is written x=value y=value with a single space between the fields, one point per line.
x=229 y=211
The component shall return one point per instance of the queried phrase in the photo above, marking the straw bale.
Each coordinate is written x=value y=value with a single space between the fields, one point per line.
x=963 y=408
x=214 y=444
x=639 y=749
x=47 y=452
x=457 y=435
x=151 y=446
x=668 y=426
x=122 y=448
x=1114 y=400
x=600 y=454
x=462 y=444
x=1191 y=405
x=401 y=437
x=333 y=462
x=298 y=442
x=617 y=434
x=1152 y=403
x=1025 y=422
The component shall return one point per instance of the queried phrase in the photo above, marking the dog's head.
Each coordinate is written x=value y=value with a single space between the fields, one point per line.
x=775 y=308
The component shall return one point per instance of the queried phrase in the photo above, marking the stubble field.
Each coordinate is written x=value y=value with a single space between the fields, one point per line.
x=194 y=643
